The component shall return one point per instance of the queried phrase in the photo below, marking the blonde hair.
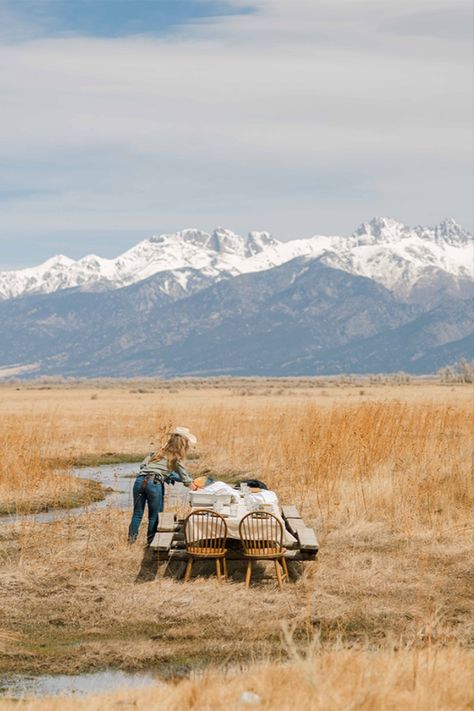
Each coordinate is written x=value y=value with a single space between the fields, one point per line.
x=175 y=450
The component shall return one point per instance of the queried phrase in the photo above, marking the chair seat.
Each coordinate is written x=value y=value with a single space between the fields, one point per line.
x=264 y=556
x=212 y=554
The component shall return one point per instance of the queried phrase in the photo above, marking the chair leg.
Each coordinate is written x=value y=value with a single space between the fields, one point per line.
x=285 y=568
x=218 y=569
x=249 y=573
x=189 y=568
x=224 y=565
x=278 y=574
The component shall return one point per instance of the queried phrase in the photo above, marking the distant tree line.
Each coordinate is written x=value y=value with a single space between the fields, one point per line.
x=460 y=372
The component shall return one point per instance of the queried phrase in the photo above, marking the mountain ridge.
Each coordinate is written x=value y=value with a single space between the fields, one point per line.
x=301 y=317
x=383 y=249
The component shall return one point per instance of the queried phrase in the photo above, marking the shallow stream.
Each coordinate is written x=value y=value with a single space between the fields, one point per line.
x=23 y=685
x=118 y=481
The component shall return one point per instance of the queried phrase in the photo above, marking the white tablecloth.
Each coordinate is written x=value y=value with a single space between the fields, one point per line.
x=234 y=521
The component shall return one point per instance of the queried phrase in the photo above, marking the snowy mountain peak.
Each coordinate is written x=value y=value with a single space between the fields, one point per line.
x=189 y=235
x=378 y=225
x=59 y=260
x=225 y=241
x=380 y=229
x=447 y=233
x=452 y=233
x=388 y=230
x=258 y=241
x=221 y=241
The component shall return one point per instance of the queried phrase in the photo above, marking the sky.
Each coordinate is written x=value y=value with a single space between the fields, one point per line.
x=120 y=119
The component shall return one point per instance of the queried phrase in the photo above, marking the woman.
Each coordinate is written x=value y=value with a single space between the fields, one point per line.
x=165 y=465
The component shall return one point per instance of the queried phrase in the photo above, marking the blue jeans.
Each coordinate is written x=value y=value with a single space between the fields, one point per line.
x=153 y=495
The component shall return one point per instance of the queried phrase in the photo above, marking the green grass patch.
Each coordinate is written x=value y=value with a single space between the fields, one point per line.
x=96 y=460
x=88 y=493
x=66 y=651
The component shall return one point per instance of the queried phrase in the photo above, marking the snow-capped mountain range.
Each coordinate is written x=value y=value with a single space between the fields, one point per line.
x=413 y=263
x=386 y=298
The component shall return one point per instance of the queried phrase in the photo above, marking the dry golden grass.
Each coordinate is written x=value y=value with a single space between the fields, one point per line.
x=341 y=679
x=257 y=433
x=30 y=481
x=384 y=476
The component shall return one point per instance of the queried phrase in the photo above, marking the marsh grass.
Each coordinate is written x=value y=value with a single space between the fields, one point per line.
x=387 y=483
x=336 y=679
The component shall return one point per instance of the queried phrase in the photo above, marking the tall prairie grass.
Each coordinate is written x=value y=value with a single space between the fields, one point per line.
x=408 y=464
x=386 y=481
x=26 y=477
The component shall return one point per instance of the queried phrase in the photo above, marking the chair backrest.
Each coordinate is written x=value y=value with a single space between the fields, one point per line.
x=261 y=533
x=205 y=532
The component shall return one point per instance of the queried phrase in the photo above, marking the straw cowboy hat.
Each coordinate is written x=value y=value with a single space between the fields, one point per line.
x=186 y=433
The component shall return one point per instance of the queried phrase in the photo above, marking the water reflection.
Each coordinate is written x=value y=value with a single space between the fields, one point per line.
x=21 y=685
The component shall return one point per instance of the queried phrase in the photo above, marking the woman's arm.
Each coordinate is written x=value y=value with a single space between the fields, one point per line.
x=183 y=474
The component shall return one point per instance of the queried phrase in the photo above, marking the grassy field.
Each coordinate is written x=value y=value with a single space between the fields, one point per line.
x=382 y=471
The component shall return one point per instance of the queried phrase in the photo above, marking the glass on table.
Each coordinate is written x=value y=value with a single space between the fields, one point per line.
x=244 y=489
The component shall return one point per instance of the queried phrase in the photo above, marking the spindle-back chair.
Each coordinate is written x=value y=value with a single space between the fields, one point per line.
x=261 y=534
x=205 y=534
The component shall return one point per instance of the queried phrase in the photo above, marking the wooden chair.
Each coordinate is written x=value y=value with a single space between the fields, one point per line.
x=205 y=534
x=261 y=534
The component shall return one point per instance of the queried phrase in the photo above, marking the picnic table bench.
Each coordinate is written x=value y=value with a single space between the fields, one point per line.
x=169 y=538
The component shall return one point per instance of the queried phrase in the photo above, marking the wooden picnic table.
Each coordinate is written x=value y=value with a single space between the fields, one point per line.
x=169 y=539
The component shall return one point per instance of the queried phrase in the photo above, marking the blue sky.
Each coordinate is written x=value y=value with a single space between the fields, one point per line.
x=113 y=18
x=124 y=118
